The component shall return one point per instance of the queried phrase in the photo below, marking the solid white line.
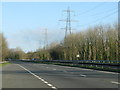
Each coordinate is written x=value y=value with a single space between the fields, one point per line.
x=88 y=69
x=80 y=68
x=95 y=70
x=115 y=82
x=85 y=69
x=38 y=77
x=69 y=67
x=107 y=72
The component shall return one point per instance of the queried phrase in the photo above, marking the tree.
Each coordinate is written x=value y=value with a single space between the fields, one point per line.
x=4 y=47
x=16 y=53
x=96 y=43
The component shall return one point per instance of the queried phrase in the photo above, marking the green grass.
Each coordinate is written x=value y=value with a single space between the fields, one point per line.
x=3 y=64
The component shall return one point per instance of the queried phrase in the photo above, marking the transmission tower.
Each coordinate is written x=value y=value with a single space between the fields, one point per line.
x=68 y=20
x=46 y=39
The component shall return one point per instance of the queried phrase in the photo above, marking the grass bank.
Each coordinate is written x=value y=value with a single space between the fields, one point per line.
x=3 y=64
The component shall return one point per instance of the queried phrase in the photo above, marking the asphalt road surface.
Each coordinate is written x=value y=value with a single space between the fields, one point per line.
x=34 y=75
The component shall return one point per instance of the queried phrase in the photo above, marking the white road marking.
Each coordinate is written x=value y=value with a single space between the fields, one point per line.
x=64 y=71
x=45 y=82
x=76 y=68
x=54 y=69
x=115 y=82
x=85 y=69
x=50 y=85
x=82 y=75
x=80 y=68
x=88 y=69
x=53 y=87
x=46 y=67
x=42 y=80
x=107 y=72
x=69 y=67
x=94 y=70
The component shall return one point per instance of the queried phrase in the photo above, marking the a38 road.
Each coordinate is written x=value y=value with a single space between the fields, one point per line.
x=36 y=75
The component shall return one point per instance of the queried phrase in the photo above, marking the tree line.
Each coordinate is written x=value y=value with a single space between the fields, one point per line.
x=96 y=43
x=7 y=53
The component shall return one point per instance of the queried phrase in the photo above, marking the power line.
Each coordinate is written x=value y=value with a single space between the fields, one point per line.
x=97 y=6
x=100 y=18
x=102 y=12
x=107 y=16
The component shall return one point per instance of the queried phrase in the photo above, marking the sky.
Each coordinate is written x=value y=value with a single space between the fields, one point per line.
x=24 y=23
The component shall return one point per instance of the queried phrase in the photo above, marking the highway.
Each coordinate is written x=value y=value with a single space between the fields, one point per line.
x=35 y=75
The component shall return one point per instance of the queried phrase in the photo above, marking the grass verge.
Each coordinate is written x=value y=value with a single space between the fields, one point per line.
x=3 y=64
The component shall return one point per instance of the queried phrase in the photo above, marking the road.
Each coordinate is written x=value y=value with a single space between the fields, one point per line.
x=34 y=75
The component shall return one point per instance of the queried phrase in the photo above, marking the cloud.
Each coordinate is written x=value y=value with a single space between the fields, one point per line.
x=30 y=40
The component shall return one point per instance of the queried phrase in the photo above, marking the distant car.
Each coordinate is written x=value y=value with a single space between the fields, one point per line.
x=9 y=59
x=34 y=59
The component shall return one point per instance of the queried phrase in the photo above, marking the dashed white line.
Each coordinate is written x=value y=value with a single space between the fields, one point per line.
x=50 y=85
x=115 y=82
x=82 y=75
x=42 y=80
x=64 y=71
x=45 y=82
x=53 y=87
x=54 y=69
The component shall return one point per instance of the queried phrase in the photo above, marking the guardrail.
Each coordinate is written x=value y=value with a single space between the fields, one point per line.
x=108 y=65
x=106 y=62
x=97 y=62
x=94 y=64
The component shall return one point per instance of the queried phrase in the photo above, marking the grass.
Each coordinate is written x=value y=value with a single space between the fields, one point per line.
x=3 y=64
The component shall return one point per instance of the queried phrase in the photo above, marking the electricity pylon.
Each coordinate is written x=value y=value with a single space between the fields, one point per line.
x=68 y=20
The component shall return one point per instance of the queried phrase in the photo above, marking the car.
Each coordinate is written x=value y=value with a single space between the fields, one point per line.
x=33 y=58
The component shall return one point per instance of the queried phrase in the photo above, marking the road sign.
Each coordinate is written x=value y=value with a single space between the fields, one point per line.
x=78 y=55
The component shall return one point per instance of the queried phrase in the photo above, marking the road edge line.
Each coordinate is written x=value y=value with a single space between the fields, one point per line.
x=50 y=85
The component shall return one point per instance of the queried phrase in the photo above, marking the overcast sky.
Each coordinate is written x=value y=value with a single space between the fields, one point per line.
x=24 y=23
